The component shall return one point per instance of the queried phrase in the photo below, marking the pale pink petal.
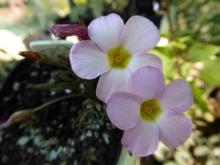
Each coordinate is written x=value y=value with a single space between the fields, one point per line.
x=141 y=140
x=140 y=61
x=140 y=35
x=177 y=96
x=105 y=31
x=123 y=110
x=174 y=129
x=147 y=83
x=111 y=82
x=87 y=60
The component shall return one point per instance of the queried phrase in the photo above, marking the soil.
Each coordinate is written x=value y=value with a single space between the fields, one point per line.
x=73 y=131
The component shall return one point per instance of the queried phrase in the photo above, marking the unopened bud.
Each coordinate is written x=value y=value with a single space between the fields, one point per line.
x=64 y=30
x=20 y=116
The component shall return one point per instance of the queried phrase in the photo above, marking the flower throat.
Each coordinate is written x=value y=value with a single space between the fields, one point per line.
x=150 y=110
x=118 y=57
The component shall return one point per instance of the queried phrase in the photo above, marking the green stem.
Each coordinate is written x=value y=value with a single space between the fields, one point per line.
x=54 y=101
x=172 y=35
x=126 y=159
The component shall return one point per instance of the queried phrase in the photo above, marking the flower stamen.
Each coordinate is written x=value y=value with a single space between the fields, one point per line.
x=119 y=57
x=150 y=110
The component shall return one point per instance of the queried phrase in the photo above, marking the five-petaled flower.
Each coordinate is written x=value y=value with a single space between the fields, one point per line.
x=151 y=112
x=115 y=51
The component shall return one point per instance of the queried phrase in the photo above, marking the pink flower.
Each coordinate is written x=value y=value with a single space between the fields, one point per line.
x=115 y=51
x=151 y=112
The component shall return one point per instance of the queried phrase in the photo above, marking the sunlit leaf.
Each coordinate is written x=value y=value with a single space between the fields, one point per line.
x=201 y=51
x=211 y=72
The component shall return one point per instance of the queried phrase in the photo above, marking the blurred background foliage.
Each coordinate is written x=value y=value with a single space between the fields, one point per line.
x=189 y=48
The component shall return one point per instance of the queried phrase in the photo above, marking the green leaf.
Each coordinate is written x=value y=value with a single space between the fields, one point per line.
x=201 y=51
x=216 y=19
x=54 y=51
x=163 y=51
x=177 y=44
x=211 y=72
x=197 y=95
x=52 y=48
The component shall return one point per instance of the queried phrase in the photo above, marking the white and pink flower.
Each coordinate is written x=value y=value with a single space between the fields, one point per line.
x=115 y=51
x=132 y=84
x=151 y=112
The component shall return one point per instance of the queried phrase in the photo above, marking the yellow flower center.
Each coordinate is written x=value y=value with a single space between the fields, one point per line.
x=119 y=57
x=150 y=110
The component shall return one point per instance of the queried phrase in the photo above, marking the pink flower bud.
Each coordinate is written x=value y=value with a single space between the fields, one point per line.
x=64 y=30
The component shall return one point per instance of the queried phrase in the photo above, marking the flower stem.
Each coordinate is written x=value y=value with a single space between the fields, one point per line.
x=126 y=159
x=54 y=101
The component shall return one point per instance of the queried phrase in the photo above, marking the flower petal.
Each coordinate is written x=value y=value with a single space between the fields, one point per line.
x=141 y=140
x=145 y=60
x=112 y=81
x=87 y=60
x=174 y=129
x=123 y=110
x=140 y=35
x=147 y=83
x=177 y=96
x=105 y=31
